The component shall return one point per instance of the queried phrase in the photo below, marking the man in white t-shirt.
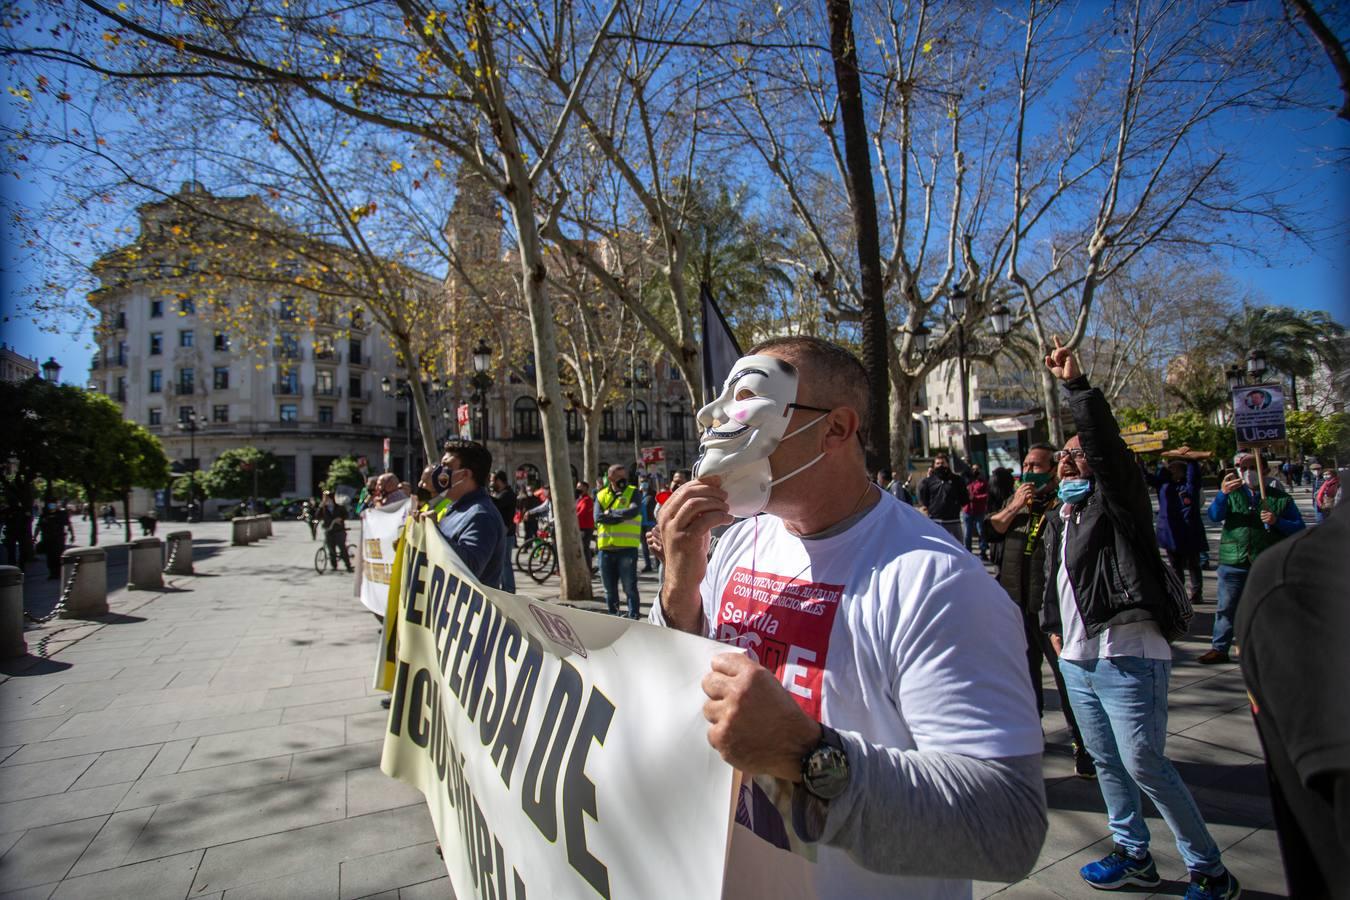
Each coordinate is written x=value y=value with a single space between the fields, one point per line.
x=1104 y=596
x=881 y=692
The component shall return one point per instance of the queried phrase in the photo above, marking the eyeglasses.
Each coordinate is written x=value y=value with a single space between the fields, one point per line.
x=808 y=408
x=1075 y=453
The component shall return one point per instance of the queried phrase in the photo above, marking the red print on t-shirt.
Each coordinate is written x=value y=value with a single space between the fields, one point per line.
x=784 y=624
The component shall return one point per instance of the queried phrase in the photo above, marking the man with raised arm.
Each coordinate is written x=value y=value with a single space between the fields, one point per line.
x=880 y=697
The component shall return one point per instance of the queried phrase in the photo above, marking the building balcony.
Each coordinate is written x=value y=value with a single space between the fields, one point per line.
x=120 y=396
x=330 y=357
x=288 y=354
x=362 y=396
x=358 y=361
x=330 y=392
x=183 y=388
x=286 y=424
x=288 y=390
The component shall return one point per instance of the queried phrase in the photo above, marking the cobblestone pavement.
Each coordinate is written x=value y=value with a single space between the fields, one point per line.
x=220 y=739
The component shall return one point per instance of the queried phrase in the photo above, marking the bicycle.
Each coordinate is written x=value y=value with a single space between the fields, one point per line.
x=538 y=557
x=321 y=557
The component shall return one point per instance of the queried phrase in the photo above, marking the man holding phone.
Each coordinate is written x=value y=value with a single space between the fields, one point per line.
x=1253 y=522
x=1020 y=527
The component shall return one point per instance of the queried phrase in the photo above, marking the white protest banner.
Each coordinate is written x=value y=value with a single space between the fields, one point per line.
x=562 y=753
x=380 y=527
x=1258 y=415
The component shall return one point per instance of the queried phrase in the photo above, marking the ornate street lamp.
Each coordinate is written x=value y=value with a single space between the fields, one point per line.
x=956 y=308
x=482 y=381
x=1233 y=375
x=1000 y=319
x=1256 y=364
x=51 y=370
x=921 y=333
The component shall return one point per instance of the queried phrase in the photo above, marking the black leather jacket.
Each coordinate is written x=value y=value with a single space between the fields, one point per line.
x=1113 y=558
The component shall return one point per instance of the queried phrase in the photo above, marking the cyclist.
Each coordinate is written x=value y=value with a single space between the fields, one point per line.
x=334 y=521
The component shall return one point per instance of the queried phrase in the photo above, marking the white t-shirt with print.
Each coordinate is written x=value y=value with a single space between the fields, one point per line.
x=888 y=629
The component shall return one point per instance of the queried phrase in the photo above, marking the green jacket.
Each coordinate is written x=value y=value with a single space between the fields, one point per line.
x=1244 y=535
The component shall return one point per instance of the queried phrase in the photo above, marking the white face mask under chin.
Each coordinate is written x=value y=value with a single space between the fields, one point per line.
x=1252 y=479
x=748 y=486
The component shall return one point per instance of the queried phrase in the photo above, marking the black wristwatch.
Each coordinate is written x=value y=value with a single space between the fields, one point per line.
x=825 y=771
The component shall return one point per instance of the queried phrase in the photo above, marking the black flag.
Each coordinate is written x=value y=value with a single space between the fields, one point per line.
x=720 y=350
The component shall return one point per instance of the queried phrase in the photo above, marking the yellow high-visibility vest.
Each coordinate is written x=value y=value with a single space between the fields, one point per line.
x=628 y=533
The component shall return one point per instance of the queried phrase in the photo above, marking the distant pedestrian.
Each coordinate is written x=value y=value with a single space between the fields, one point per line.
x=648 y=520
x=585 y=508
x=309 y=516
x=334 y=520
x=1180 y=529
x=53 y=526
x=942 y=494
x=1252 y=523
x=618 y=534
x=972 y=513
x=505 y=500
x=149 y=522
x=1327 y=494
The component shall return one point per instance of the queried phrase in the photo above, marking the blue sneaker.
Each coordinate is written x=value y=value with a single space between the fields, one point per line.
x=1118 y=869
x=1213 y=887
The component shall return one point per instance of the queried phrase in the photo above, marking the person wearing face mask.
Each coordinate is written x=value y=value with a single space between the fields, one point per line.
x=942 y=494
x=52 y=527
x=1105 y=595
x=879 y=709
x=1252 y=524
x=1181 y=533
x=470 y=522
x=1017 y=531
x=618 y=532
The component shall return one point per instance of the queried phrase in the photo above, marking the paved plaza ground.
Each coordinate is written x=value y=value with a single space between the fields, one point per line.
x=220 y=739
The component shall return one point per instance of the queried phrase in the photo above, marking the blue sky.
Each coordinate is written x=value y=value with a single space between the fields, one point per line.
x=1288 y=152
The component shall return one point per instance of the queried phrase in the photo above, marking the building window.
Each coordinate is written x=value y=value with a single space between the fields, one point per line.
x=156 y=416
x=674 y=372
x=288 y=381
x=289 y=412
x=323 y=383
x=186 y=337
x=286 y=309
x=220 y=413
x=575 y=426
x=354 y=352
x=121 y=353
x=220 y=378
x=287 y=473
x=184 y=413
x=186 y=306
x=156 y=309
x=677 y=426
x=290 y=346
x=187 y=380
x=525 y=418
x=222 y=341
x=325 y=415
x=354 y=387
x=121 y=321
x=358 y=415
x=156 y=380
x=121 y=395
x=608 y=429
x=636 y=415
x=156 y=343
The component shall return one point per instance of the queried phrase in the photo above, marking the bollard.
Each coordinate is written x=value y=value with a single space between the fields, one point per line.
x=146 y=557
x=267 y=526
x=12 y=643
x=178 y=553
x=84 y=583
x=239 y=531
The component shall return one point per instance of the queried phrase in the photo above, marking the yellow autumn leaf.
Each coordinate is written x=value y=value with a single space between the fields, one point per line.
x=395 y=166
x=927 y=46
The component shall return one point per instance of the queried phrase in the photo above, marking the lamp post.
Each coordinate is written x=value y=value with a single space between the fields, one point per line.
x=403 y=391
x=51 y=370
x=679 y=414
x=191 y=424
x=482 y=359
x=1256 y=365
x=956 y=308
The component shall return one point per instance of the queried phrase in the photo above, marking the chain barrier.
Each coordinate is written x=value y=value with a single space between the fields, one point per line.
x=66 y=589
x=173 y=555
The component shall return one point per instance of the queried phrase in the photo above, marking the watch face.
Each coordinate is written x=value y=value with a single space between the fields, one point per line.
x=825 y=772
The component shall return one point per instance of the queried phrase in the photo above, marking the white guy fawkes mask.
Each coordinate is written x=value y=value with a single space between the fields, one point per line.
x=744 y=425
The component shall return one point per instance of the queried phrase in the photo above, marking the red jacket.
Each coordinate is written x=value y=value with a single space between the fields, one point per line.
x=979 y=497
x=586 y=512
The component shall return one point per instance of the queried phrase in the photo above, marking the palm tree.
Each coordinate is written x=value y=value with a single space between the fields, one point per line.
x=1294 y=341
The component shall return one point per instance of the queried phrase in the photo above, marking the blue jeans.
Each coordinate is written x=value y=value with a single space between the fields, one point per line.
x=509 y=564
x=616 y=565
x=1231 y=581
x=1121 y=708
x=972 y=523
